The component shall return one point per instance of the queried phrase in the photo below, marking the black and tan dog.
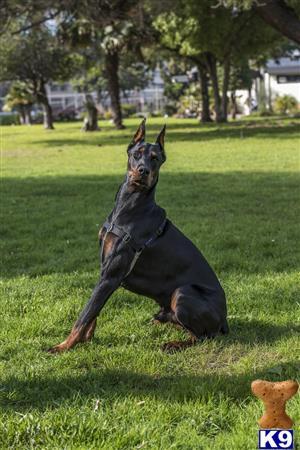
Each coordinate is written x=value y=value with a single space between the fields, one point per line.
x=145 y=253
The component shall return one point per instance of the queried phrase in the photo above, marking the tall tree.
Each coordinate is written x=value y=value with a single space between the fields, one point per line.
x=80 y=21
x=119 y=26
x=175 y=30
x=239 y=33
x=204 y=79
x=89 y=79
x=21 y=99
x=241 y=78
x=123 y=26
x=35 y=58
x=191 y=31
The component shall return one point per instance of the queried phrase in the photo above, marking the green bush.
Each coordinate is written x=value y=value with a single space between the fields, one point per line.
x=285 y=104
x=37 y=117
x=156 y=114
x=107 y=115
x=128 y=109
x=170 y=108
x=9 y=118
x=265 y=113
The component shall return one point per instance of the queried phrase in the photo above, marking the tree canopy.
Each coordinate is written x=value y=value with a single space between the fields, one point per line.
x=92 y=43
x=35 y=57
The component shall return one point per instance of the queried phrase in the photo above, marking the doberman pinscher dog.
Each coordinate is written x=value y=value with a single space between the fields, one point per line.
x=145 y=253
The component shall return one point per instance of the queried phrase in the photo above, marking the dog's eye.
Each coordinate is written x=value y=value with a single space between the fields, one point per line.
x=137 y=155
x=154 y=157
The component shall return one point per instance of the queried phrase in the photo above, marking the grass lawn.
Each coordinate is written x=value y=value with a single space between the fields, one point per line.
x=234 y=190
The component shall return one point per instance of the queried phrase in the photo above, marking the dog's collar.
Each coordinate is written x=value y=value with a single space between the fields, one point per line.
x=128 y=239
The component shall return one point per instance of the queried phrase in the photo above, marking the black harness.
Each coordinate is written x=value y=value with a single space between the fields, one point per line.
x=128 y=239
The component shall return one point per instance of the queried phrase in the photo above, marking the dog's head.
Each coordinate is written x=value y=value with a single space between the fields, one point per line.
x=144 y=159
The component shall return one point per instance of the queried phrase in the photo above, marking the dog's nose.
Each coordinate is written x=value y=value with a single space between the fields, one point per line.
x=143 y=171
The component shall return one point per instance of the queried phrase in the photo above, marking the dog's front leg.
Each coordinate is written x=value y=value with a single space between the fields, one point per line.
x=85 y=325
x=113 y=272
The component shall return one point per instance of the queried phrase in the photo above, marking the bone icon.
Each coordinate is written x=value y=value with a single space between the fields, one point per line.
x=274 y=397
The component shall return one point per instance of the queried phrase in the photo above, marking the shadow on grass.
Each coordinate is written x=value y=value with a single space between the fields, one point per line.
x=251 y=331
x=189 y=132
x=246 y=332
x=110 y=384
x=243 y=222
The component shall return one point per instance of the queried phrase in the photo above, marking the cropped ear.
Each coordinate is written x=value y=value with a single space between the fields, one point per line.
x=161 y=141
x=140 y=134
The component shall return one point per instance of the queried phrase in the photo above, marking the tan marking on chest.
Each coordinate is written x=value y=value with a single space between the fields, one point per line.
x=108 y=244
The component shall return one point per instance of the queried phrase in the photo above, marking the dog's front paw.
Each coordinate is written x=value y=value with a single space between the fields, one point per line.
x=59 y=348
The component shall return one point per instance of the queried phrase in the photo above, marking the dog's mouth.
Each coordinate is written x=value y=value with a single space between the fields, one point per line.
x=139 y=182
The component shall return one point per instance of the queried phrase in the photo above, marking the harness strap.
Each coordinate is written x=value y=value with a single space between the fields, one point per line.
x=129 y=240
x=134 y=261
x=118 y=231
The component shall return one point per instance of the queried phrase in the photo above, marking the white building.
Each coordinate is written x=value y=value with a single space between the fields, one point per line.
x=282 y=77
x=279 y=77
x=63 y=97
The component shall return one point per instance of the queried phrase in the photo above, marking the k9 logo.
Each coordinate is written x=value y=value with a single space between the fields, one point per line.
x=275 y=439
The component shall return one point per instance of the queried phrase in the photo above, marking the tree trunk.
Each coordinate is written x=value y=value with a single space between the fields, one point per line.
x=205 y=113
x=234 y=105
x=212 y=70
x=226 y=76
x=48 y=119
x=112 y=76
x=21 y=111
x=262 y=107
x=91 y=122
x=28 y=114
x=42 y=98
x=281 y=17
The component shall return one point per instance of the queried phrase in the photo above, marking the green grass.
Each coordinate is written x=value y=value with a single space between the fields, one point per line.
x=234 y=190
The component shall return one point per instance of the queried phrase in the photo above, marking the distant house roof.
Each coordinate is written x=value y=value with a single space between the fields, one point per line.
x=180 y=79
x=284 y=66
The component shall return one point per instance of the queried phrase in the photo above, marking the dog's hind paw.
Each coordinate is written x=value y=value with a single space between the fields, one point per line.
x=176 y=346
x=154 y=321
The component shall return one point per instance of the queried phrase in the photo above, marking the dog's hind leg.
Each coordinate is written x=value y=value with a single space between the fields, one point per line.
x=164 y=316
x=201 y=314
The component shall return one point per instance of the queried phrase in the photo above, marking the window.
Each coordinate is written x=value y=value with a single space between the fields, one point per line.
x=288 y=79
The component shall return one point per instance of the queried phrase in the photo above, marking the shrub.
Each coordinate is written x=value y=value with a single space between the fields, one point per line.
x=285 y=104
x=128 y=109
x=107 y=115
x=141 y=114
x=265 y=113
x=66 y=116
x=156 y=114
x=37 y=116
x=9 y=118
x=170 y=108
